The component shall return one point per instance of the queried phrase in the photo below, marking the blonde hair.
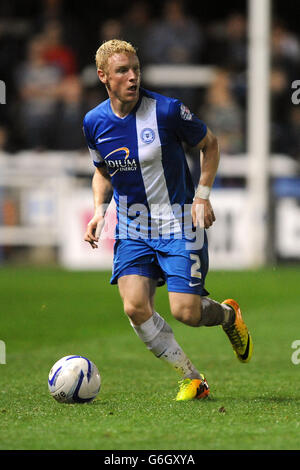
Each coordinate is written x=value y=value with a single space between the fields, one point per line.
x=109 y=48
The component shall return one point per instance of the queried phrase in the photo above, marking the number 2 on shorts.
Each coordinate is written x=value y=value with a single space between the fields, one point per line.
x=195 y=268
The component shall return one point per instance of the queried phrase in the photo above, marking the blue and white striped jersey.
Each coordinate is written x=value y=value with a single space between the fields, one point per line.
x=145 y=158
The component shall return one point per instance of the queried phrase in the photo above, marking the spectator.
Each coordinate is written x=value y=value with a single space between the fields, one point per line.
x=222 y=113
x=3 y=138
x=51 y=9
x=236 y=42
x=110 y=29
x=175 y=39
x=69 y=114
x=285 y=50
x=227 y=43
x=135 y=26
x=56 y=52
x=280 y=109
x=294 y=133
x=285 y=45
x=39 y=86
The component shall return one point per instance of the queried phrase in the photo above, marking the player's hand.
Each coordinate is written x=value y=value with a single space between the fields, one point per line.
x=202 y=213
x=93 y=230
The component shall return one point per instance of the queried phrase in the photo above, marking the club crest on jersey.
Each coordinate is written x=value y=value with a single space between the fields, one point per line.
x=185 y=113
x=147 y=135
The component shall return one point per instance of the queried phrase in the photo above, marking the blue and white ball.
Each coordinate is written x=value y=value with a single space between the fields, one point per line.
x=74 y=379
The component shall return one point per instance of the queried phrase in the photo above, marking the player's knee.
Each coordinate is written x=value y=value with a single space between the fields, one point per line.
x=137 y=312
x=190 y=315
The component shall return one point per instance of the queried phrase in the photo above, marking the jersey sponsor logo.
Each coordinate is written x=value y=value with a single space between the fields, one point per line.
x=120 y=164
x=147 y=135
x=185 y=113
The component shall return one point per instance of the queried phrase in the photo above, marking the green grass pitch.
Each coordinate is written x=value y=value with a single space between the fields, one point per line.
x=50 y=313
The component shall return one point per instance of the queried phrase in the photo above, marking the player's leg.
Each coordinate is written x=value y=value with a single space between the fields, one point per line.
x=185 y=271
x=137 y=293
x=194 y=310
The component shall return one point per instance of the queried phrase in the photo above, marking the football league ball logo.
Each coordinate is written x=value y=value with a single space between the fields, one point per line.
x=185 y=113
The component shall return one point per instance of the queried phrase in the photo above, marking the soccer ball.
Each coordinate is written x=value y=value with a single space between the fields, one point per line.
x=74 y=379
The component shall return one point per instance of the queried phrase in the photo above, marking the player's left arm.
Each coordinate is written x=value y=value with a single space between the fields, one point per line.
x=202 y=211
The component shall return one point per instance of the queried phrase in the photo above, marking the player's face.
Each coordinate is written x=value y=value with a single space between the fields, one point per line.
x=122 y=77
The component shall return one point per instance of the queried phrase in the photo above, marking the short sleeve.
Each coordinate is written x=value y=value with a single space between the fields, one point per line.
x=188 y=127
x=94 y=153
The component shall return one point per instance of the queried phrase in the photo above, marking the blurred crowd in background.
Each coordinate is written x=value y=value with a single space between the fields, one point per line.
x=47 y=64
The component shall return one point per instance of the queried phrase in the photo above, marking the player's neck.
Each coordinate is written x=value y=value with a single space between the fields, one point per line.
x=122 y=109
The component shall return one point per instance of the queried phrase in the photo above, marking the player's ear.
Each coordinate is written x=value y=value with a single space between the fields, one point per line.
x=102 y=76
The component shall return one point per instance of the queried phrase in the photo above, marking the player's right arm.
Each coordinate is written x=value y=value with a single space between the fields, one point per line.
x=102 y=194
